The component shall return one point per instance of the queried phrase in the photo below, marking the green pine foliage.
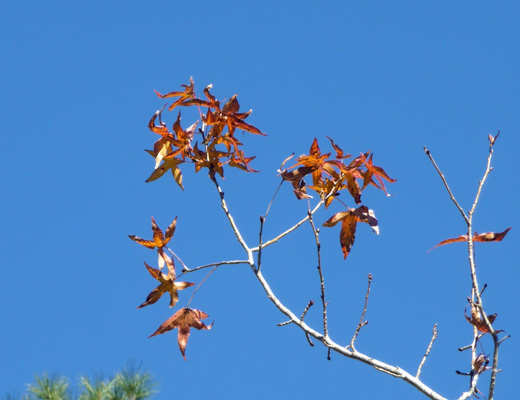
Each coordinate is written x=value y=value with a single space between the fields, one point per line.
x=128 y=384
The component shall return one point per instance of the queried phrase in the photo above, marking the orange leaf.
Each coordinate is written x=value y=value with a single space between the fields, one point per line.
x=339 y=153
x=159 y=240
x=167 y=284
x=347 y=234
x=184 y=319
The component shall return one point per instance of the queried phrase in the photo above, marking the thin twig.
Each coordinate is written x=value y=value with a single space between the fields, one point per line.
x=504 y=338
x=435 y=332
x=469 y=346
x=200 y=284
x=262 y=220
x=231 y=262
x=272 y=198
x=309 y=305
x=446 y=184
x=322 y=281
x=297 y=225
x=362 y=321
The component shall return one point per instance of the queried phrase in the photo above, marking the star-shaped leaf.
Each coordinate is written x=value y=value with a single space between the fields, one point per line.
x=349 y=220
x=184 y=319
x=159 y=239
x=168 y=284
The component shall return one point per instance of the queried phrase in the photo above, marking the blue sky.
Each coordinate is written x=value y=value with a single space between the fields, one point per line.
x=77 y=84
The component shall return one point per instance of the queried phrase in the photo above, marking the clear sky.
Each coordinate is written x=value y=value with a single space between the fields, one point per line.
x=77 y=94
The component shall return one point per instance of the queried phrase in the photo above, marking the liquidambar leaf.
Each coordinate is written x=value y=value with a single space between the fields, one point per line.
x=159 y=239
x=184 y=319
x=483 y=237
x=478 y=321
x=347 y=234
x=167 y=285
x=349 y=220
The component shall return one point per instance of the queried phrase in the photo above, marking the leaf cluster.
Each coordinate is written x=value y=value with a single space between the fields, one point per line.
x=185 y=318
x=218 y=144
x=330 y=176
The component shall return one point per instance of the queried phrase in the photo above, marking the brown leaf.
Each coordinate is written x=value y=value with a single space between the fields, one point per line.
x=188 y=93
x=159 y=240
x=184 y=319
x=480 y=364
x=349 y=220
x=483 y=237
x=347 y=234
x=364 y=214
x=167 y=284
x=340 y=216
x=477 y=320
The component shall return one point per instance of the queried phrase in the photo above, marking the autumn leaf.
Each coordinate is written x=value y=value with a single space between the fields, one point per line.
x=160 y=129
x=184 y=319
x=483 y=237
x=159 y=239
x=373 y=170
x=330 y=176
x=480 y=364
x=170 y=163
x=188 y=93
x=477 y=320
x=347 y=234
x=339 y=153
x=167 y=285
x=349 y=220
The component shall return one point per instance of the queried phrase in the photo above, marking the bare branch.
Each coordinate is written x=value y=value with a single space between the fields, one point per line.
x=435 y=332
x=297 y=225
x=446 y=184
x=231 y=262
x=362 y=323
x=476 y=294
x=322 y=281
x=228 y=214
x=356 y=355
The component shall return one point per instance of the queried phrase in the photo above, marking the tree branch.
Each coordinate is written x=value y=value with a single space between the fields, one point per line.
x=435 y=332
x=361 y=320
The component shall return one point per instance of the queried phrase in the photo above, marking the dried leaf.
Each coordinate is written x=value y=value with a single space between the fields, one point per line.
x=167 y=285
x=159 y=240
x=339 y=153
x=368 y=216
x=340 y=216
x=480 y=364
x=483 y=237
x=347 y=234
x=477 y=320
x=184 y=319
